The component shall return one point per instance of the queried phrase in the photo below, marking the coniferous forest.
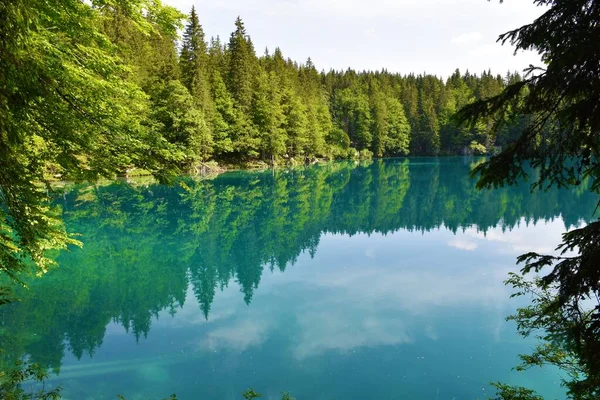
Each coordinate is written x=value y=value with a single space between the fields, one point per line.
x=217 y=99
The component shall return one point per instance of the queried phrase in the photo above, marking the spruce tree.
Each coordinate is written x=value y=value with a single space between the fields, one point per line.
x=224 y=116
x=241 y=59
x=193 y=62
x=216 y=57
x=379 y=125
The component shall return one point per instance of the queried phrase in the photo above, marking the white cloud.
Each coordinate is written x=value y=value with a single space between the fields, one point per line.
x=542 y=237
x=371 y=34
x=467 y=38
x=239 y=336
x=386 y=306
x=462 y=244
x=322 y=330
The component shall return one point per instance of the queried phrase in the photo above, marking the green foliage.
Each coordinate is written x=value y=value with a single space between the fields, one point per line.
x=268 y=116
x=241 y=66
x=397 y=135
x=67 y=109
x=559 y=328
x=561 y=137
x=176 y=118
x=223 y=117
x=352 y=105
x=193 y=59
x=14 y=383
x=295 y=123
x=477 y=148
x=365 y=154
x=250 y=394
x=506 y=392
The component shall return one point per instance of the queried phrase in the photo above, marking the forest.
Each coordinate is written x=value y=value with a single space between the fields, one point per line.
x=218 y=100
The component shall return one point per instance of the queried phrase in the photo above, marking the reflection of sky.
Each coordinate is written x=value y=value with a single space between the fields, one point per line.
x=542 y=237
x=386 y=315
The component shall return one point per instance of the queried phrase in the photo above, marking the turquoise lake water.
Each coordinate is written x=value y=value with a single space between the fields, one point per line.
x=381 y=280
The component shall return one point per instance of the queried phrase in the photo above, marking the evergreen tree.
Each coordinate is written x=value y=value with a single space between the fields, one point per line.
x=224 y=116
x=268 y=116
x=398 y=134
x=240 y=69
x=319 y=118
x=318 y=125
x=352 y=106
x=181 y=123
x=295 y=123
x=426 y=136
x=216 y=57
x=193 y=63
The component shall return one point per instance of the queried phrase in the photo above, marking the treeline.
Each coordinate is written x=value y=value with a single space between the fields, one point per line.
x=220 y=101
x=145 y=245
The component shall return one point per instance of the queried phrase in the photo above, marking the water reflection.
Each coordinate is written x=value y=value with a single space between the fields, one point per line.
x=392 y=284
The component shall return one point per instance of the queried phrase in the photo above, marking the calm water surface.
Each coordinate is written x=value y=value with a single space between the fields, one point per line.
x=343 y=281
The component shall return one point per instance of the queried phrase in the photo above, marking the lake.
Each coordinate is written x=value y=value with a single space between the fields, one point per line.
x=341 y=281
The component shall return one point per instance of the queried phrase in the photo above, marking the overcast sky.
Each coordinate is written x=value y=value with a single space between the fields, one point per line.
x=433 y=36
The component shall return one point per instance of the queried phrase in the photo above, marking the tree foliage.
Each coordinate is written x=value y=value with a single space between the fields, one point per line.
x=68 y=108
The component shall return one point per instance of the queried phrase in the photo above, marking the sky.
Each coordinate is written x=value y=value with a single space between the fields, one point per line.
x=432 y=36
